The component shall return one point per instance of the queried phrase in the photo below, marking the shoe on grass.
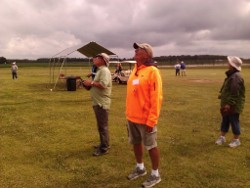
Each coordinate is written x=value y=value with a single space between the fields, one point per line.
x=99 y=146
x=137 y=173
x=151 y=181
x=234 y=143
x=100 y=152
x=221 y=140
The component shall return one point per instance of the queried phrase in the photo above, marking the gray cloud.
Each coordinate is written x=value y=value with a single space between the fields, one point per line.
x=41 y=28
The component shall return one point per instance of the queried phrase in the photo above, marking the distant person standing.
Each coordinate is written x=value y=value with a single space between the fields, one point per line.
x=177 y=69
x=118 y=68
x=93 y=72
x=100 y=93
x=143 y=105
x=14 y=69
x=232 y=96
x=183 y=69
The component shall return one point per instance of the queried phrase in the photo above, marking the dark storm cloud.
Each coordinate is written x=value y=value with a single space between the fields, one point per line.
x=37 y=28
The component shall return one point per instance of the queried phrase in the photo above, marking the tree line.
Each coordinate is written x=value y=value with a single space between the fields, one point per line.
x=162 y=60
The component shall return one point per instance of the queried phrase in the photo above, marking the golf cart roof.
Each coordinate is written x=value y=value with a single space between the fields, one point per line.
x=132 y=62
x=116 y=62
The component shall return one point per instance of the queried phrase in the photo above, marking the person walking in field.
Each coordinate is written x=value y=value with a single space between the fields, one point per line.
x=143 y=105
x=232 y=96
x=100 y=93
x=14 y=69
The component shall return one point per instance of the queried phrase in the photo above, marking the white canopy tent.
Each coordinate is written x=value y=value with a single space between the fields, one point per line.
x=89 y=50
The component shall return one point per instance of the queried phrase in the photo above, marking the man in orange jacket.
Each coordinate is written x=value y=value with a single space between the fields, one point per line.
x=143 y=105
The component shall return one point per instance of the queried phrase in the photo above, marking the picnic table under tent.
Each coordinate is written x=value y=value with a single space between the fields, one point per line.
x=58 y=61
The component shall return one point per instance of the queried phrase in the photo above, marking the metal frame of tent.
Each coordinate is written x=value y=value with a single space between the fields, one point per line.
x=59 y=60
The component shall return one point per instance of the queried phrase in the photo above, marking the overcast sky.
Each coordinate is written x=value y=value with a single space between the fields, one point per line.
x=41 y=28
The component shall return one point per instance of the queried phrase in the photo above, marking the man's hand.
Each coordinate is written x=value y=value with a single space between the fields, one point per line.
x=88 y=75
x=87 y=82
x=227 y=107
x=149 y=129
x=227 y=110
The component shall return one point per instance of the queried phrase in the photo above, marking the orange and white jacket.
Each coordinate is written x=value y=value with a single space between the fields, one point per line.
x=144 y=95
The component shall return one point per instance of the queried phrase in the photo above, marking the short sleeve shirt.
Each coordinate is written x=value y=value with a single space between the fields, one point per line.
x=102 y=97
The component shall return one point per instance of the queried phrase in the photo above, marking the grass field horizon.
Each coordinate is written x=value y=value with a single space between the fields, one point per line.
x=47 y=138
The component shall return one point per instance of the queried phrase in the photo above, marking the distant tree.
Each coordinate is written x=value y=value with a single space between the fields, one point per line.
x=3 y=60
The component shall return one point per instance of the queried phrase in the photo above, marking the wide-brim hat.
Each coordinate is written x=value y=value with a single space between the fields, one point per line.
x=105 y=58
x=146 y=47
x=235 y=62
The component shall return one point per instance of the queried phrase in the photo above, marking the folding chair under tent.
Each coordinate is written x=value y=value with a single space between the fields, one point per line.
x=58 y=61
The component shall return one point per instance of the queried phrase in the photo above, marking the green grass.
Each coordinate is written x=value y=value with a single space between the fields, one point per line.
x=47 y=138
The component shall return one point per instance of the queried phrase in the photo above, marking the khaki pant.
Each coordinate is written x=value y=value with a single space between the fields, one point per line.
x=138 y=134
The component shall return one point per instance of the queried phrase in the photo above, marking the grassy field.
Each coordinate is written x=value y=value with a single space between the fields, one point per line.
x=47 y=138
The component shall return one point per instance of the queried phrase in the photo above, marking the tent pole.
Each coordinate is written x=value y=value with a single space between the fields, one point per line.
x=60 y=70
x=50 y=71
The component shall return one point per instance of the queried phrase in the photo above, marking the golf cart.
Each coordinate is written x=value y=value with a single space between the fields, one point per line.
x=121 y=77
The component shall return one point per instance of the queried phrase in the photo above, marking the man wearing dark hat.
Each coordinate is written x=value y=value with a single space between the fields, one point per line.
x=232 y=96
x=143 y=105
x=100 y=93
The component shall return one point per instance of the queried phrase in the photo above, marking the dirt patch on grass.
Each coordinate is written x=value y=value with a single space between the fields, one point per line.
x=201 y=80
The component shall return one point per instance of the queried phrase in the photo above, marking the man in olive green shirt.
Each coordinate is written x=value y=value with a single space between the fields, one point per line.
x=100 y=93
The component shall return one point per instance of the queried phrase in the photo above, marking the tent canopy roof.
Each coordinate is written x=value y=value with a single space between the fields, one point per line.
x=89 y=50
